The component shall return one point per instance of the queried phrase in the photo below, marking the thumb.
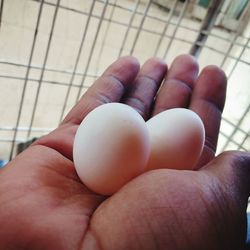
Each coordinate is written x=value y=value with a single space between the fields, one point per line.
x=232 y=169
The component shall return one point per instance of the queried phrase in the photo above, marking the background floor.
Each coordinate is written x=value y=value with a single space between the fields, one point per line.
x=52 y=51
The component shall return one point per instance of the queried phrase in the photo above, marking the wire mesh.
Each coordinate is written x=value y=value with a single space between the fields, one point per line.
x=52 y=51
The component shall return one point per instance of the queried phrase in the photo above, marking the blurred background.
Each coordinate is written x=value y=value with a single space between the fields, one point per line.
x=51 y=51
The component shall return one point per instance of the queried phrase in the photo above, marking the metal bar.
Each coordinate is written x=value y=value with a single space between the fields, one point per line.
x=244 y=140
x=105 y=36
x=221 y=52
x=73 y=72
x=1 y=12
x=92 y=48
x=176 y=28
x=12 y=141
x=44 y=81
x=108 y=19
x=26 y=79
x=167 y=36
x=128 y=28
x=140 y=27
x=25 y=129
x=170 y=15
x=130 y=10
x=46 y=69
x=239 y=58
x=76 y=62
x=232 y=42
x=242 y=22
x=233 y=141
x=94 y=76
x=237 y=126
x=233 y=125
x=43 y=68
x=119 y=6
x=225 y=39
x=134 y=27
x=208 y=23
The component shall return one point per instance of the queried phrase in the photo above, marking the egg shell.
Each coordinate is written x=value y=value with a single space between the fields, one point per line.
x=177 y=138
x=111 y=147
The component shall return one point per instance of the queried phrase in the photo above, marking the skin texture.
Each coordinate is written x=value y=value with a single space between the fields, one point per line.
x=43 y=204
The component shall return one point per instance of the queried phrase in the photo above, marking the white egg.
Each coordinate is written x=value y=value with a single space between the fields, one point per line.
x=177 y=138
x=111 y=147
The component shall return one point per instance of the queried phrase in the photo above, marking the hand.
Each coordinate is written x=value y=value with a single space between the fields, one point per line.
x=44 y=205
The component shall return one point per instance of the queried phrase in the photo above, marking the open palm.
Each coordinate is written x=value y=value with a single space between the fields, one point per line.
x=44 y=205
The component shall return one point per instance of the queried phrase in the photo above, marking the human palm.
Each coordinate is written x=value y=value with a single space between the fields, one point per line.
x=44 y=205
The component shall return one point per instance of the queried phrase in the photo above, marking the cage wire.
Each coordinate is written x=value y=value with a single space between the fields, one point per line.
x=52 y=51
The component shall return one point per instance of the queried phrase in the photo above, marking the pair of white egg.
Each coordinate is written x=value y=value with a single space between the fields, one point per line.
x=113 y=145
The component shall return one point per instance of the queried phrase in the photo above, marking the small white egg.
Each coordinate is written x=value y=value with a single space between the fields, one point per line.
x=111 y=147
x=177 y=138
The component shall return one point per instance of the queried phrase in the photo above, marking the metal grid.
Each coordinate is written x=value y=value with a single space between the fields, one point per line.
x=51 y=65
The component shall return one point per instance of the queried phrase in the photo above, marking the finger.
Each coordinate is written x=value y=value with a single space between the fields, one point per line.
x=207 y=101
x=61 y=140
x=232 y=170
x=110 y=87
x=229 y=175
x=142 y=92
x=177 y=88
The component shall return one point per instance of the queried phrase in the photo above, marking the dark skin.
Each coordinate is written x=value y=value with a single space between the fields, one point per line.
x=44 y=205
